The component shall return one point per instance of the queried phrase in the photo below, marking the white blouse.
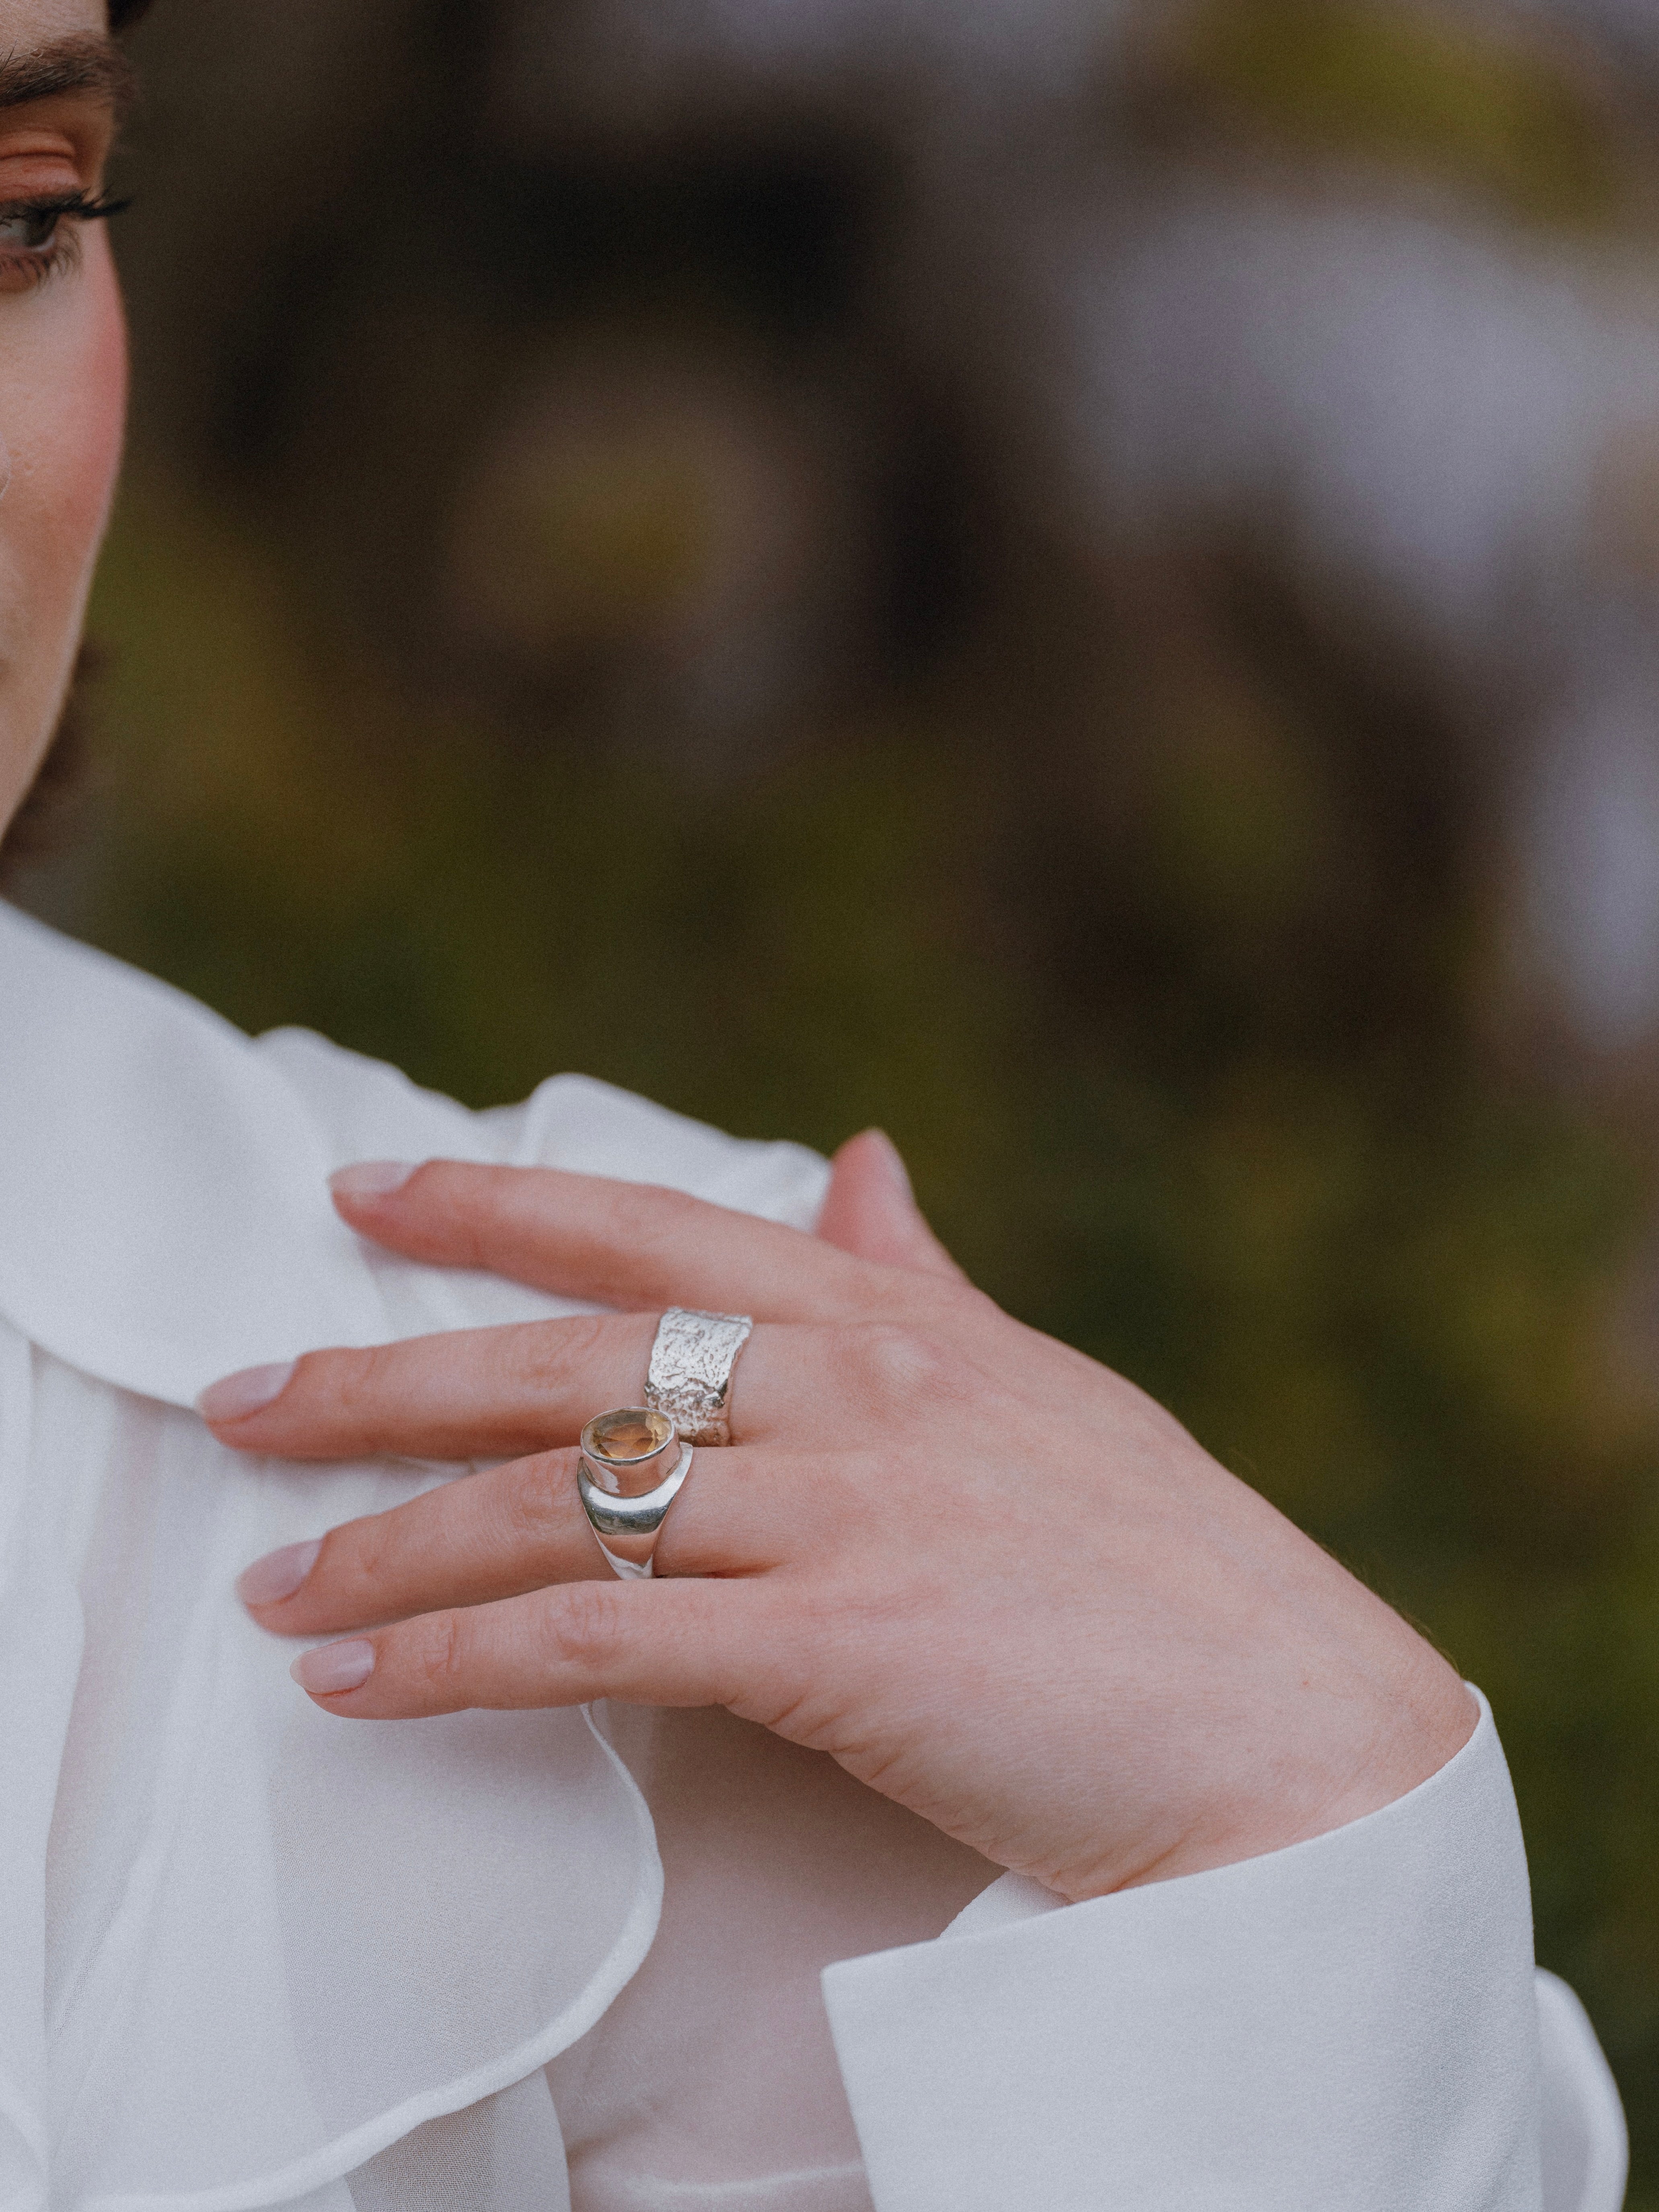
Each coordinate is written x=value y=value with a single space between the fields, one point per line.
x=622 y=1960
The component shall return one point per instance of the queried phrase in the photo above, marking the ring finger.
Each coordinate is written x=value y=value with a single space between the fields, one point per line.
x=517 y=1528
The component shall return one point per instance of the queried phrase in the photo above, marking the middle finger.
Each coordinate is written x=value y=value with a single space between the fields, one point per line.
x=485 y=1393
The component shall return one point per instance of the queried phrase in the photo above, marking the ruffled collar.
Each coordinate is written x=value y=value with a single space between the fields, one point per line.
x=164 y=1215
x=164 y=1219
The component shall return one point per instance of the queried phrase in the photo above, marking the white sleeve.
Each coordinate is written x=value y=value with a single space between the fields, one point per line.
x=1580 y=2122
x=1353 y=2021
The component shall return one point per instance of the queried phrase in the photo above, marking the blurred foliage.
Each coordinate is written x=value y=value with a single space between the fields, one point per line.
x=1203 y=1103
x=1460 y=100
x=1154 y=930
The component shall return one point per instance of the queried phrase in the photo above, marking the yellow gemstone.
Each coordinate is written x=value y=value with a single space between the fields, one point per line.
x=633 y=1432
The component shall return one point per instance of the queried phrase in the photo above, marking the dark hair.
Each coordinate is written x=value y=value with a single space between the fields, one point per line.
x=122 y=12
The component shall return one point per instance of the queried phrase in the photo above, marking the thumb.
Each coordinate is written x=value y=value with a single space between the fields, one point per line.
x=869 y=1209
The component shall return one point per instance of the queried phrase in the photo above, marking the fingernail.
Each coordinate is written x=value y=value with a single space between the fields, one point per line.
x=278 y=1575
x=234 y=1397
x=894 y=1161
x=370 y=1179
x=334 y=1667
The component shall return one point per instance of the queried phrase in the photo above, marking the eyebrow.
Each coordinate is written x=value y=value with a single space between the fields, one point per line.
x=87 y=63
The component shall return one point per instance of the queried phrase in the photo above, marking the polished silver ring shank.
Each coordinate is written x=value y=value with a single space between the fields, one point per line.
x=620 y=1479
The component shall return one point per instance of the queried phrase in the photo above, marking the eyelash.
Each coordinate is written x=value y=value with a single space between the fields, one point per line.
x=31 y=266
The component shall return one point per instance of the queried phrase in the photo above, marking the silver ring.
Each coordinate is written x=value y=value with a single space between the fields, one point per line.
x=623 y=1485
x=690 y=1377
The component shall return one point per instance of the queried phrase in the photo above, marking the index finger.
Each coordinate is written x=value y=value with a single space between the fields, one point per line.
x=625 y=1244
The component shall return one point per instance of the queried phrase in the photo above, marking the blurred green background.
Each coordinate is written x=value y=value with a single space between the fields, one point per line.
x=617 y=571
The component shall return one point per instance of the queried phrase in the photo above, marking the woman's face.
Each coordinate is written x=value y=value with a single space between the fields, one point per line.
x=63 y=357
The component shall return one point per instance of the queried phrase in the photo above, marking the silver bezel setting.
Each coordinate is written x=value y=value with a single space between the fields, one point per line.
x=627 y=1498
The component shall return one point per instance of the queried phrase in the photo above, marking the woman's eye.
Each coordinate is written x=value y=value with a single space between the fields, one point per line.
x=29 y=230
x=42 y=238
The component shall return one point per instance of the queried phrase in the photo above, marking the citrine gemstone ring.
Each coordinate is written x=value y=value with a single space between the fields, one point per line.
x=632 y=1465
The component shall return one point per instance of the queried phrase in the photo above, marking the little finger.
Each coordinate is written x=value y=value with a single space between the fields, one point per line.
x=666 y=1644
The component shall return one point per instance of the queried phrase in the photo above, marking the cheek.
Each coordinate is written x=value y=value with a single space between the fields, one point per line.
x=80 y=450
x=63 y=398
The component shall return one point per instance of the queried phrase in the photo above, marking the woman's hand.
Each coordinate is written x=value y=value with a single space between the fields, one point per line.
x=990 y=1577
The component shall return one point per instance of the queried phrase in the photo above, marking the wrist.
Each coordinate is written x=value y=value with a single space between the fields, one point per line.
x=1329 y=1762
x=1380 y=1753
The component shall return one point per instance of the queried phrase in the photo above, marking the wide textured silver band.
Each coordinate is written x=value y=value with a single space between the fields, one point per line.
x=689 y=1376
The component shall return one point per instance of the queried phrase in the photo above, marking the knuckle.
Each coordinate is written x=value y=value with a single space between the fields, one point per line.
x=574 y=1343
x=644 y=1217
x=581 y=1626
x=357 y=1572
x=357 y=1380
x=469 y=1205
x=438 y=1655
x=363 y=1552
x=551 y=1356
x=533 y=1506
x=897 y=1363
